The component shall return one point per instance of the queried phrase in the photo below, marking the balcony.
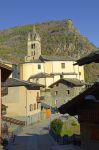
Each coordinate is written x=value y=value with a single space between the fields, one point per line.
x=4 y=91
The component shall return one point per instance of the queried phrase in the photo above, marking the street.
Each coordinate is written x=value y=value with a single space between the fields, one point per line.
x=34 y=138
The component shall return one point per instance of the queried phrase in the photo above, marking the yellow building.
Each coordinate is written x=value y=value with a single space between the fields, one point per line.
x=22 y=100
x=58 y=66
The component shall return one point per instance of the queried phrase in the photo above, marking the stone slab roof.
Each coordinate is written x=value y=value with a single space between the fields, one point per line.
x=41 y=75
x=13 y=82
x=72 y=81
x=92 y=57
x=55 y=58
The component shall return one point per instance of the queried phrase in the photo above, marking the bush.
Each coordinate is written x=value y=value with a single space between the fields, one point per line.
x=56 y=126
x=74 y=123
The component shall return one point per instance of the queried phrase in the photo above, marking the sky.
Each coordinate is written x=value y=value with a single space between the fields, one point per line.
x=83 y=13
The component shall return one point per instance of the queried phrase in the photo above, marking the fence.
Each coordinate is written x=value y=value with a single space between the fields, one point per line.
x=74 y=139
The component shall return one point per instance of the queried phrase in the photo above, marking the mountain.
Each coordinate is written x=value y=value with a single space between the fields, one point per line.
x=57 y=38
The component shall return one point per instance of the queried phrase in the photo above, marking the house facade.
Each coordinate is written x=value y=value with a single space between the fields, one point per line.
x=5 y=72
x=64 y=90
x=22 y=100
x=86 y=106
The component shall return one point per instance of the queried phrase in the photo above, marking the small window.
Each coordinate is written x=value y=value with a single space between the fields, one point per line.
x=34 y=106
x=68 y=92
x=32 y=53
x=56 y=92
x=61 y=76
x=62 y=65
x=33 y=46
x=31 y=107
x=79 y=73
x=39 y=66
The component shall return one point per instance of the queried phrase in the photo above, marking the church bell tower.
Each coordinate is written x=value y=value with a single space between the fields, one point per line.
x=33 y=46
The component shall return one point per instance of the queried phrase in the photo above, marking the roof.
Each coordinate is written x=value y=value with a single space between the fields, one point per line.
x=41 y=75
x=72 y=107
x=63 y=73
x=33 y=61
x=44 y=58
x=44 y=105
x=5 y=71
x=92 y=57
x=55 y=58
x=72 y=81
x=13 y=82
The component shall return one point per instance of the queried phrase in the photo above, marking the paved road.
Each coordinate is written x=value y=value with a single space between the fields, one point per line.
x=34 y=138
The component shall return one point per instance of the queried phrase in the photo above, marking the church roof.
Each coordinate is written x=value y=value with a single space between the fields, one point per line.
x=55 y=58
x=41 y=75
x=64 y=73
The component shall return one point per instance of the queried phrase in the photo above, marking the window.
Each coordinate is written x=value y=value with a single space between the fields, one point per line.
x=68 y=92
x=32 y=53
x=61 y=76
x=33 y=46
x=39 y=66
x=31 y=107
x=34 y=106
x=79 y=73
x=62 y=65
x=56 y=92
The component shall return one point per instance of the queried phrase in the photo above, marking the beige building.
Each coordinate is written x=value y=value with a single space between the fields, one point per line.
x=22 y=100
x=5 y=72
x=58 y=66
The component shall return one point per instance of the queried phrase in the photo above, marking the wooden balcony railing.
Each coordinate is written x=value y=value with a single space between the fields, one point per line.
x=14 y=121
x=4 y=91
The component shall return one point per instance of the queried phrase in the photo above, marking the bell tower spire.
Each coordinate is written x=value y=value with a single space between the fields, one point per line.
x=33 y=46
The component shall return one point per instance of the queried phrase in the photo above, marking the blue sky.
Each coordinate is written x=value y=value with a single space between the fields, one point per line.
x=83 y=13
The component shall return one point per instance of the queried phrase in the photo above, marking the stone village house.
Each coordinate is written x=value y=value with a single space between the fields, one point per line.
x=86 y=106
x=64 y=90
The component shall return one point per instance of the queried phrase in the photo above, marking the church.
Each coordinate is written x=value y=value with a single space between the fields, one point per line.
x=45 y=69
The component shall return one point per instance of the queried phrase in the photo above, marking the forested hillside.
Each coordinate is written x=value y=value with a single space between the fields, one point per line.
x=57 y=38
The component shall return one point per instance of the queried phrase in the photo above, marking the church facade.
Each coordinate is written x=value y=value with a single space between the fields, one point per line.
x=46 y=69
